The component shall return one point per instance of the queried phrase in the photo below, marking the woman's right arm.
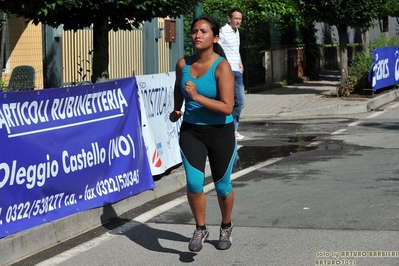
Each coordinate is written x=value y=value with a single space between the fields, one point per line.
x=178 y=95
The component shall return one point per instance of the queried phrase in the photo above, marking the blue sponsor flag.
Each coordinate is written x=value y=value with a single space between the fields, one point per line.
x=384 y=71
x=66 y=150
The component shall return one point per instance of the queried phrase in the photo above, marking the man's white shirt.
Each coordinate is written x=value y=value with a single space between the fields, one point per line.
x=230 y=42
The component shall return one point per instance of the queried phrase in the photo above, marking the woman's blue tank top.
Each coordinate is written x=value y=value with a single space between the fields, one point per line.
x=206 y=85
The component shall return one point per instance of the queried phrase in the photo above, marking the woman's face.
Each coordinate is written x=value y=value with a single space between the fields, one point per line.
x=202 y=35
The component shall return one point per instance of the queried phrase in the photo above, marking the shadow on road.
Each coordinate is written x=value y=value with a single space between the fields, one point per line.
x=143 y=235
x=149 y=238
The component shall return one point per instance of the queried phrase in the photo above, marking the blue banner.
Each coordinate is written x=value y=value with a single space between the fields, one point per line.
x=66 y=150
x=384 y=71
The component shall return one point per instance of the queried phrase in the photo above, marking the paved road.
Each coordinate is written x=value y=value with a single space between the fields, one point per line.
x=333 y=201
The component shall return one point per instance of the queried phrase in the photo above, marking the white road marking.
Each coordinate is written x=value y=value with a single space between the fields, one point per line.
x=315 y=143
x=392 y=106
x=339 y=131
x=375 y=114
x=355 y=123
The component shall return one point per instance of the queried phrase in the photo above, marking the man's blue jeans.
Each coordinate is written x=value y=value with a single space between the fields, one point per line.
x=239 y=97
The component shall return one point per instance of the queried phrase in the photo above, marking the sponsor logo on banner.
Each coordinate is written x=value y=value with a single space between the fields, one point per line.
x=385 y=62
x=156 y=159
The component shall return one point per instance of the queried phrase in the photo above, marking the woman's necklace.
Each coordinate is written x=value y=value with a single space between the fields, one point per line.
x=202 y=60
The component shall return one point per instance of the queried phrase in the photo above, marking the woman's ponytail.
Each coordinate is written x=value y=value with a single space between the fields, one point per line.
x=219 y=50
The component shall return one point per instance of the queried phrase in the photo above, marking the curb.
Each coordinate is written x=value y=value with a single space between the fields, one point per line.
x=345 y=108
x=382 y=99
x=335 y=109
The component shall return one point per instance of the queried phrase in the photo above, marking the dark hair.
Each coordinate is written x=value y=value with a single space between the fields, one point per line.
x=219 y=50
x=215 y=27
x=234 y=10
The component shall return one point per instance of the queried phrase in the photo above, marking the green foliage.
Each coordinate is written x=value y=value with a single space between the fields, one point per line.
x=342 y=14
x=2 y=85
x=312 y=51
x=103 y=15
x=382 y=41
x=80 y=14
x=360 y=13
x=188 y=47
x=357 y=79
x=267 y=24
x=389 y=8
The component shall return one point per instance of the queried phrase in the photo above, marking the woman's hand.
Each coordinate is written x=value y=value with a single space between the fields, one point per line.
x=191 y=89
x=175 y=115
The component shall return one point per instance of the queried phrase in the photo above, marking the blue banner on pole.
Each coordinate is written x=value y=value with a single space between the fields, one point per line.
x=66 y=150
x=384 y=70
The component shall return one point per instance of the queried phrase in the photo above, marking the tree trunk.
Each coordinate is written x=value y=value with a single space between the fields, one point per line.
x=343 y=43
x=384 y=28
x=366 y=41
x=2 y=45
x=100 y=50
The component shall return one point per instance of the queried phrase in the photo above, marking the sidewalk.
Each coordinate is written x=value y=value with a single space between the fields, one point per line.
x=308 y=100
x=296 y=101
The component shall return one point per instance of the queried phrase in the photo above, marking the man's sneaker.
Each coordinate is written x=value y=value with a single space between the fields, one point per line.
x=198 y=239
x=225 y=238
x=239 y=136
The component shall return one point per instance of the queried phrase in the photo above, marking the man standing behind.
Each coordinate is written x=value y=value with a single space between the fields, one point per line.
x=229 y=39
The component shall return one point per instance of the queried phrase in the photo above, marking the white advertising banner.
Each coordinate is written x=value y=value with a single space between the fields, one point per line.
x=161 y=136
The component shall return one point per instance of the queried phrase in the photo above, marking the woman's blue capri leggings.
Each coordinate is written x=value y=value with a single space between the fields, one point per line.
x=218 y=143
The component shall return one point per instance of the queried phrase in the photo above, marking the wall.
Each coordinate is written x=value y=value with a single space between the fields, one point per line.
x=330 y=56
x=125 y=55
x=329 y=35
x=163 y=49
x=285 y=63
x=135 y=52
x=24 y=47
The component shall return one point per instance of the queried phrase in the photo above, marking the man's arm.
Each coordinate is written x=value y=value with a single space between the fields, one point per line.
x=241 y=66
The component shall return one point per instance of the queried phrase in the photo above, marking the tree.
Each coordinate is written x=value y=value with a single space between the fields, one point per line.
x=103 y=16
x=267 y=24
x=389 y=8
x=341 y=14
